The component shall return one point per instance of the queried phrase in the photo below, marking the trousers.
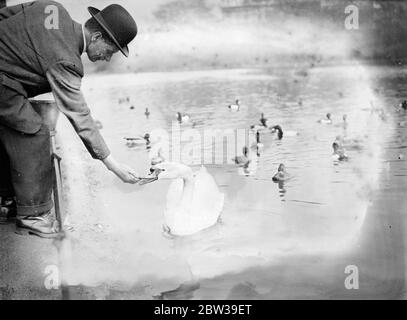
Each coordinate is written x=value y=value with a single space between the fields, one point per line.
x=26 y=170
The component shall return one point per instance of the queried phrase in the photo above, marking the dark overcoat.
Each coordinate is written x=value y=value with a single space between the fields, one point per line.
x=38 y=55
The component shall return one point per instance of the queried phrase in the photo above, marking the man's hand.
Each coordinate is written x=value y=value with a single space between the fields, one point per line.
x=124 y=172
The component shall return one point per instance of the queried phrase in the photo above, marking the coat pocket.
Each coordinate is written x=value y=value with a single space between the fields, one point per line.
x=15 y=109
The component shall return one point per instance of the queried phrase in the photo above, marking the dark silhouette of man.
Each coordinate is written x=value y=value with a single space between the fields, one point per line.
x=39 y=55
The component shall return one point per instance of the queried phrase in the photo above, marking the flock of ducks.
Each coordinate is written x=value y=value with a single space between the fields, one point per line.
x=264 y=126
x=194 y=201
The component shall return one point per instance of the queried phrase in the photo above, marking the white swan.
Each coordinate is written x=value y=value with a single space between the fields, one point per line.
x=194 y=201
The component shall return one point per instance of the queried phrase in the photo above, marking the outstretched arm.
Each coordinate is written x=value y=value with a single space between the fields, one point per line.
x=65 y=82
x=124 y=172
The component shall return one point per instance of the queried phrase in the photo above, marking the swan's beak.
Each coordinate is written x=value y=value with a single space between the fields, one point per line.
x=155 y=171
x=153 y=176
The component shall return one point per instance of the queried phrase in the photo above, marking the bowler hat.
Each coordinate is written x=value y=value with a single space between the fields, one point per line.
x=118 y=24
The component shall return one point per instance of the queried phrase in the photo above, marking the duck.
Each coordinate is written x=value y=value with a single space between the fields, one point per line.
x=234 y=107
x=147 y=113
x=256 y=127
x=263 y=121
x=243 y=160
x=403 y=105
x=132 y=142
x=344 y=123
x=123 y=100
x=194 y=202
x=327 y=120
x=183 y=118
x=281 y=174
x=281 y=133
x=257 y=144
x=339 y=152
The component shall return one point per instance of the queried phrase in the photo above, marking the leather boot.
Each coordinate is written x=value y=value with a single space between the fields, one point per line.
x=43 y=225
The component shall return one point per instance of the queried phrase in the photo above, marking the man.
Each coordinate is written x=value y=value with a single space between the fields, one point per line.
x=38 y=56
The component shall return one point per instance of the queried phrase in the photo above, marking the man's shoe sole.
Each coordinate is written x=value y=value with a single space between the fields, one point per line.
x=26 y=232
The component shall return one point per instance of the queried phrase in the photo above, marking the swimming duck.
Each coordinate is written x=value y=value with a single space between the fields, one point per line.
x=183 y=118
x=194 y=201
x=234 y=107
x=285 y=133
x=147 y=113
x=339 y=153
x=256 y=127
x=327 y=120
x=243 y=160
x=263 y=121
x=344 y=123
x=122 y=100
x=138 y=141
x=279 y=131
x=281 y=174
x=257 y=144
x=403 y=105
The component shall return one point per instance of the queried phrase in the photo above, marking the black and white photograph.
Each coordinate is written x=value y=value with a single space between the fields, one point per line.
x=222 y=150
